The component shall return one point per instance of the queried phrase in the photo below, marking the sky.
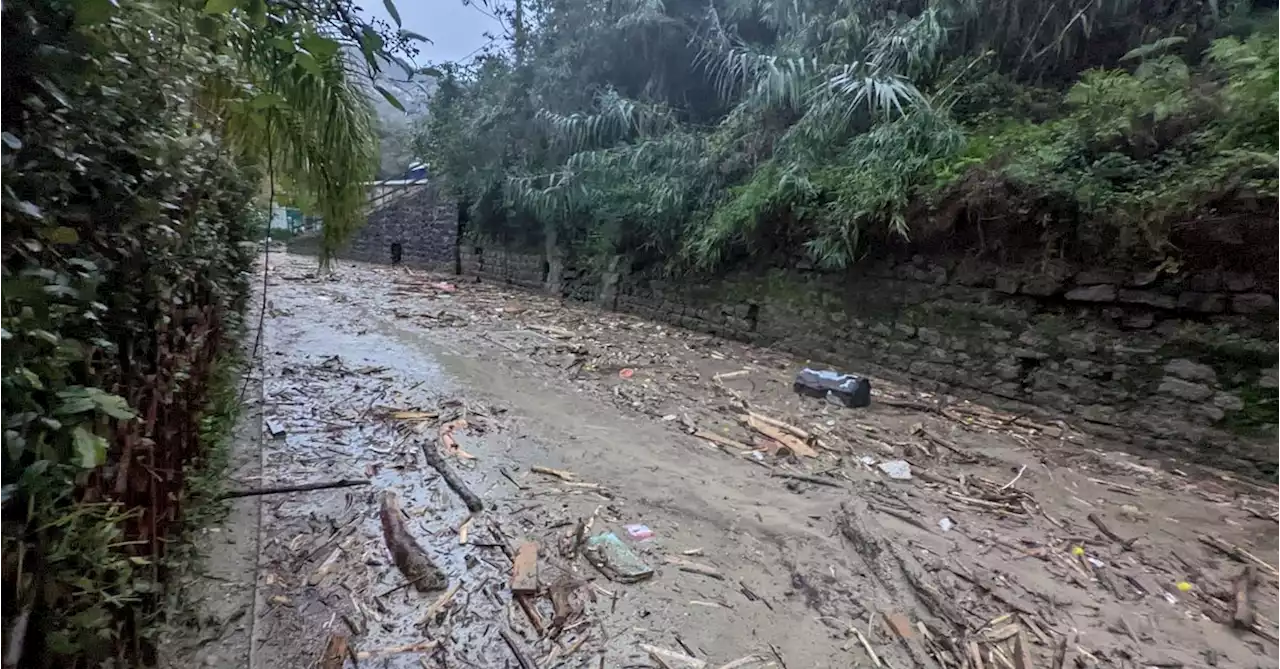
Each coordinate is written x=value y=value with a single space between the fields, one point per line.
x=456 y=30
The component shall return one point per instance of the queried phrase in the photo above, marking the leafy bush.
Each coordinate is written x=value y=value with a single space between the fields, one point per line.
x=705 y=134
x=134 y=141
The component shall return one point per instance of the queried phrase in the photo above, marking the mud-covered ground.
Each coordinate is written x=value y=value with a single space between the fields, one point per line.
x=1014 y=543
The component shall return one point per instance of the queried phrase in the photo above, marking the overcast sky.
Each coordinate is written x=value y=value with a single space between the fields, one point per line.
x=456 y=30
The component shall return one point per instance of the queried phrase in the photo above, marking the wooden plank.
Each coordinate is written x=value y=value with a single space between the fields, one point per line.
x=670 y=659
x=787 y=439
x=524 y=569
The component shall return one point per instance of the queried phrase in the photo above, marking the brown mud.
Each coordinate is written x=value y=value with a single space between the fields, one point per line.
x=1015 y=543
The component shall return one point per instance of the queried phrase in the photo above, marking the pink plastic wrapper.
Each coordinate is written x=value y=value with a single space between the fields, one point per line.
x=639 y=532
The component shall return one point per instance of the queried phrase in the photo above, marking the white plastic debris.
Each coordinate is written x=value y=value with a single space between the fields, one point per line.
x=867 y=460
x=896 y=469
x=1096 y=562
x=946 y=524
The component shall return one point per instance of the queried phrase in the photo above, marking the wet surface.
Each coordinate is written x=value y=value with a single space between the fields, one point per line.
x=613 y=402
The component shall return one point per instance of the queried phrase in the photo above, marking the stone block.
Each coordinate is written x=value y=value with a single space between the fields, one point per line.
x=1006 y=284
x=1253 y=303
x=1190 y=370
x=1100 y=293
x=1041 y=286
x=1202 y=303
x=1239 y=282
x=1147 y=297
x=1093 y=277
x=1228 y=401
x=1185 y=390
x=1140 y=320
x=1143 y=279
x=929 y=336
x=1204 y=282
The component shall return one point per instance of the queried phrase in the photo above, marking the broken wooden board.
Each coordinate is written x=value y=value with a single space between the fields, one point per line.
x=670 y=659
x=796 y=444
x=524 y=569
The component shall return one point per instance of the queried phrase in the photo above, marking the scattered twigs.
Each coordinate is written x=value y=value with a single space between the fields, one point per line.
x=303 y=487
x=817 y=480
x=558 y=473
x=409 y=557
x=695 y=568
x=451 y=478
x=507 y=475
x=522 y=658
x=1008 y=485
x=421 y=647
x=866 y=645
x=1097 y=521
x=1238 y=553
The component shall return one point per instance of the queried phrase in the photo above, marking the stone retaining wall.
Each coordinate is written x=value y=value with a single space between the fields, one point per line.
x=422 y=223
x=1183 y=364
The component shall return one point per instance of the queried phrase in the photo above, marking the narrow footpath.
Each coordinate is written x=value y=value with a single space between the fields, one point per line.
x=654 y=497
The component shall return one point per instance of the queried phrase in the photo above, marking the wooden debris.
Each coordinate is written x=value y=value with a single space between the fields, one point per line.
x=408 y=556
x=1238 y=553
x=721 y=440
x=335 y=652
x=522 y=658
x=558 y=473
x=420 y=647
x=899 y=623
x=731 y=375
x=996 y=593
x=438 y=605
x=975 y=654
x=801 y=433
x=524 y=569
x=670 y=659
x=742 y=662
x=304 y=487
x=797 y=445
x=414 y=415
x=695 y=568
x=1243 y=615
x=1097 y=521
x=866 y=645
x=1022 y=651
x=451 y=478
x=817 y=480
x=464 y=532
x=564 y=605
x=507 y=475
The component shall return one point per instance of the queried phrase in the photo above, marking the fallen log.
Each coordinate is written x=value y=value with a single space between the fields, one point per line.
x=451 y=478
x=408 y=556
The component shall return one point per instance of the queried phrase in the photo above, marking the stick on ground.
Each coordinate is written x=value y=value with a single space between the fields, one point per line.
x=304 y=487
x=522 y=658
x=451 y=477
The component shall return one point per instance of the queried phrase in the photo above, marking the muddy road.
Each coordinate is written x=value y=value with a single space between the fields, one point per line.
x=772 y=526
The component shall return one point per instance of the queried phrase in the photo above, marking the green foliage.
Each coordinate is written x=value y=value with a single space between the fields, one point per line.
x=699 y=135
x=135 y=137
